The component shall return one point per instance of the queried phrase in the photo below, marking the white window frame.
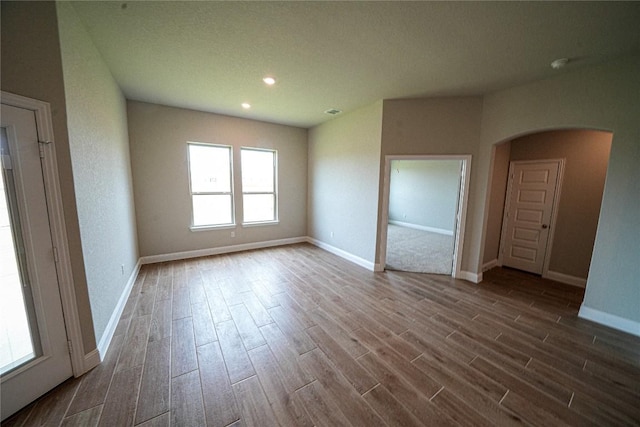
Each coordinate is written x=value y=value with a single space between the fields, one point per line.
x=230 y=193
x=275 y=219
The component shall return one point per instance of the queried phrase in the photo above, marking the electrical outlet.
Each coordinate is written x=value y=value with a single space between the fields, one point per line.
x=122 y=269
x=332 y=234
x=233 y=234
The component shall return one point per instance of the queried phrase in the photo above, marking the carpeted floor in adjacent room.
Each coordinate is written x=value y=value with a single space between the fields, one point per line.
x=418 y=251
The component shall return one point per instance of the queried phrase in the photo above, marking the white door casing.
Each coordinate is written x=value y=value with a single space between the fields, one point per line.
x=529 y=214
x=30 y=134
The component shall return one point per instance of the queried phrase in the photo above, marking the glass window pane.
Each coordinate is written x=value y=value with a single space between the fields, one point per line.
x=258 y=207
x=210 y=168
x=257 y=171
x=211 y=209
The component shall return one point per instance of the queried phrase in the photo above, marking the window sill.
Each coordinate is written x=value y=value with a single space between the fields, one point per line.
x=196 y=228
x=260 y=224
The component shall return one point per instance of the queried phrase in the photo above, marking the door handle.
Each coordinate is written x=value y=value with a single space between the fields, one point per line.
x=545 y=226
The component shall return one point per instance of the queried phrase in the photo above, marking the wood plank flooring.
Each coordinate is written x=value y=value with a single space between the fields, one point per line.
x=295 y=336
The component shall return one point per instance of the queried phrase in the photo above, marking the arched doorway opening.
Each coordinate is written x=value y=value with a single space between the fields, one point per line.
x=570 y=236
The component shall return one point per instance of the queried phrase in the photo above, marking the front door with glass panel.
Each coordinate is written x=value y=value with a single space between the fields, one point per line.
x=34 y=356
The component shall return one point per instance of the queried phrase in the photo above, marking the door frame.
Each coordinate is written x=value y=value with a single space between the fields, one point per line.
x=461 y=213
x=44 y=124
x=554 y=209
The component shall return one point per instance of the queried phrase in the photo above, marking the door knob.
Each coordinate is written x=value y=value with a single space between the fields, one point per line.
x=545 y=226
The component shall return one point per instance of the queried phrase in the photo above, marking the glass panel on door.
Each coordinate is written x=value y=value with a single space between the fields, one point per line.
x=18 y=327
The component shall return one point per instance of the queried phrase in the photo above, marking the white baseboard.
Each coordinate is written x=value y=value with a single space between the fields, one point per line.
x=610 y=320
x=344 y=254
x=566 y=279
x=469 y=276
x=489 y=265
x=151 y=259
x=105 y=340
x=422 y=227
x=91 y=360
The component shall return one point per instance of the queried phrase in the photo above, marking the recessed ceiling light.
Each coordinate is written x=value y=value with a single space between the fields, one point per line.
x=246 y=105
x=559 y=63
x=269 y=80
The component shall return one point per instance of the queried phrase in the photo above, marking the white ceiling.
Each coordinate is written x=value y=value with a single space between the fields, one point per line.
x=211 y=56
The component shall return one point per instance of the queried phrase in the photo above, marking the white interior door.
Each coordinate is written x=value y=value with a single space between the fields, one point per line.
x=34 y=355
x=530 y=197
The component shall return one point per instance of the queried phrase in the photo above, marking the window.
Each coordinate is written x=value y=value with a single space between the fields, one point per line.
x=211 y=185
x=259 y=192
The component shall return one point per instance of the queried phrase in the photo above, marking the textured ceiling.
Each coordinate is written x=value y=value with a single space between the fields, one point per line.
x=211 y=56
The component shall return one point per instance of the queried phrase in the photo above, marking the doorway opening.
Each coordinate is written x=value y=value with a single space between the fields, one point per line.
x=557 y=247
x=424 y=206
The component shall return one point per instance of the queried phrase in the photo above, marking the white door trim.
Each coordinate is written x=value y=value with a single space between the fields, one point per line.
x=554 y=210
x=42 y=111
x=461 y=214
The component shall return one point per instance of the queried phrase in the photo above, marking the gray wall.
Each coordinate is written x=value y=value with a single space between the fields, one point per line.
x=32 y=67
x=99 y=145
x=344 y=168
x=425 y=192
x=587 y=155
x=600 y=97
x=159 y=136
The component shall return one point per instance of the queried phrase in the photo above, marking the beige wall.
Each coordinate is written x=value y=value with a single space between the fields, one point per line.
x=99 y=145
x=344 y=164
x=425 y=193
x=498 y=189
x=586 y=154
x=601 y=97
x=433 y=126
x=32 y=67
x=159 y=136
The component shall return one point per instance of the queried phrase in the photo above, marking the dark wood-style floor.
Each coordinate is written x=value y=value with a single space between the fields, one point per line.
x=297 y=336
